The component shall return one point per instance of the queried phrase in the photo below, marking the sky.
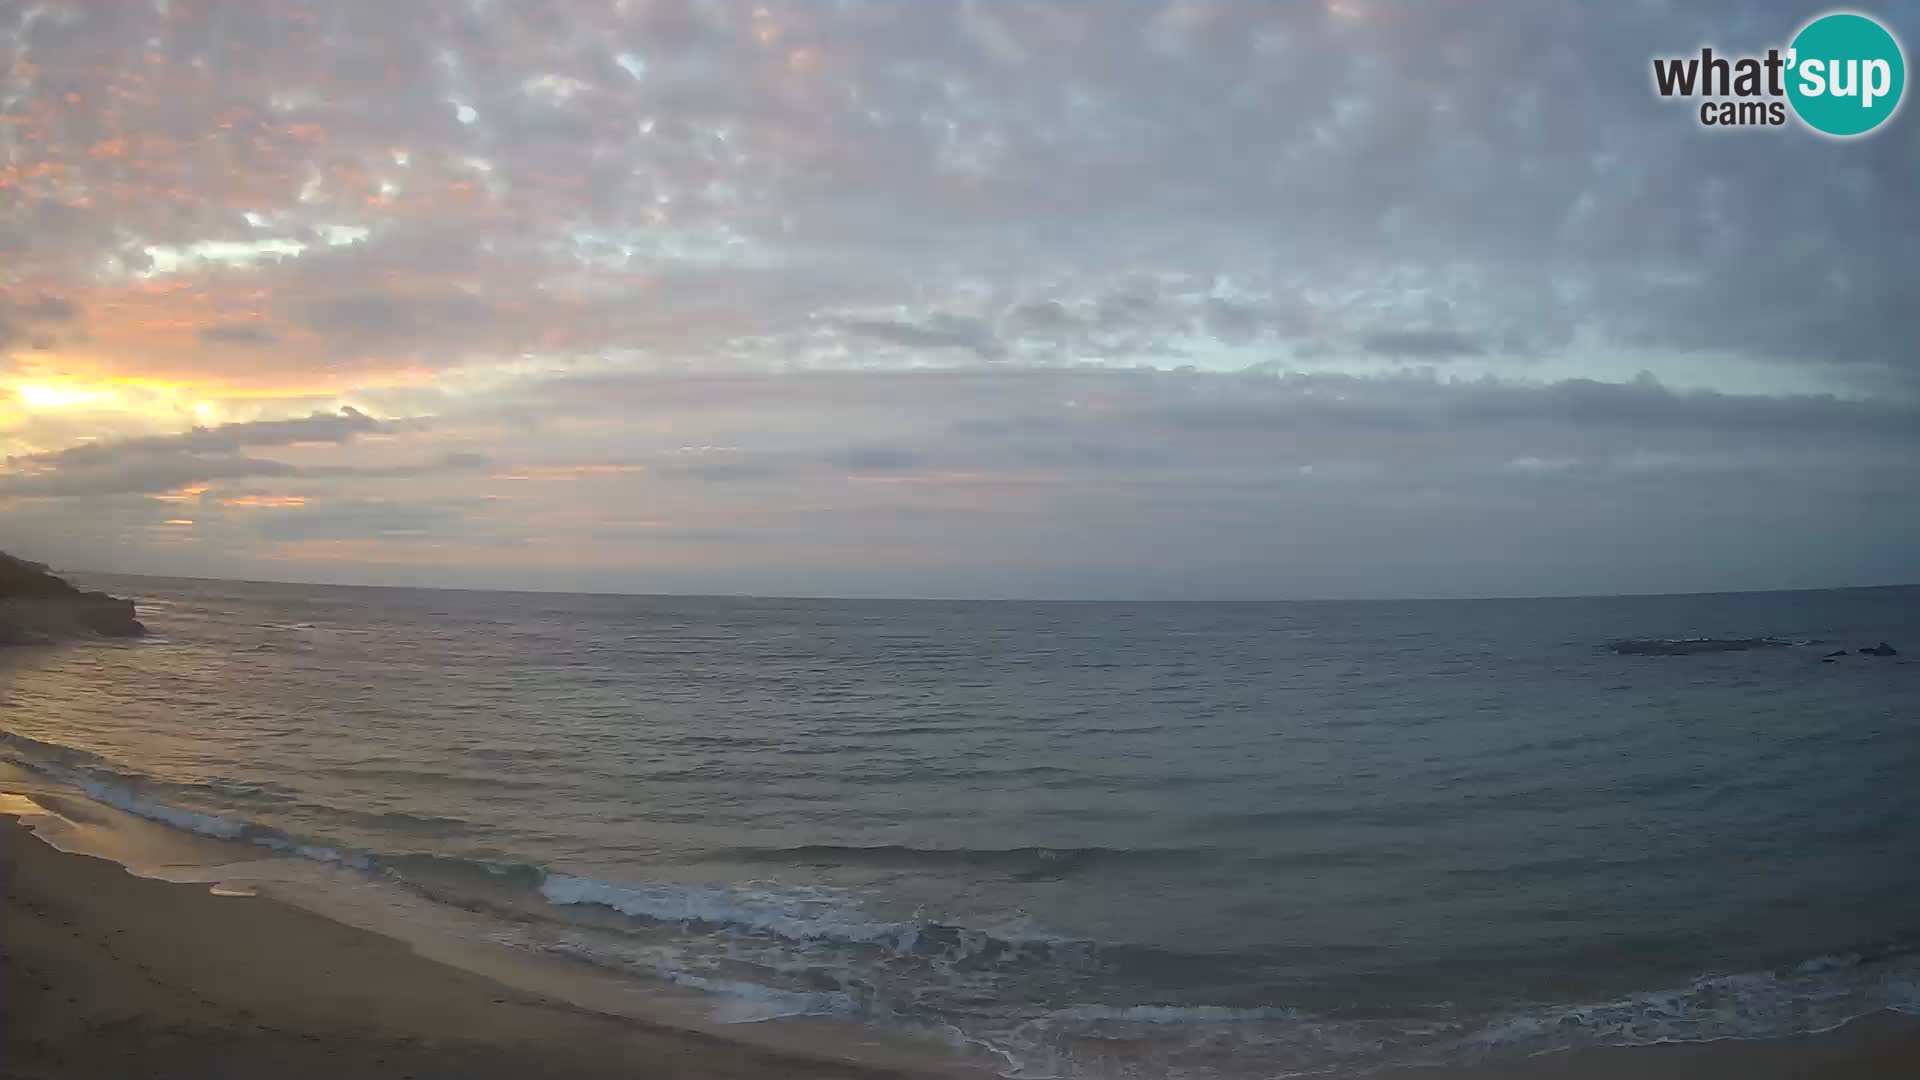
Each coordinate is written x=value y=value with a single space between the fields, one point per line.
x=1161 y=299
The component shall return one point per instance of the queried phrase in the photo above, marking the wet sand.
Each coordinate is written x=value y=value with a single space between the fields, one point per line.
x=105 y=974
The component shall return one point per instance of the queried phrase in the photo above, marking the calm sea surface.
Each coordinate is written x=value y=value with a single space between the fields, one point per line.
x=1083 y=839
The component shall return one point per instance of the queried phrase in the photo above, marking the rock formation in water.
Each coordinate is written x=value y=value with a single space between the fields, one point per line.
x=1690 y=646
x=1882 y=649
x=37 y=607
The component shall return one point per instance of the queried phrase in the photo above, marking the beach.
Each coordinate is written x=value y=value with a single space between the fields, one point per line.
x=110 y=975
x=1164 y=540
x=104 y=974
x=1218 y=842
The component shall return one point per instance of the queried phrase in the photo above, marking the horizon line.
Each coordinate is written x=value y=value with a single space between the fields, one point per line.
x=1002 y=599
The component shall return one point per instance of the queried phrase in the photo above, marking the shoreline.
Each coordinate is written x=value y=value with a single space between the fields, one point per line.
x=105 y=973
x=108 y=971
x=1883 y=1046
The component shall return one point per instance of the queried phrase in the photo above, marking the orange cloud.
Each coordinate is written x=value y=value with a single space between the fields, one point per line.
x=180 y=495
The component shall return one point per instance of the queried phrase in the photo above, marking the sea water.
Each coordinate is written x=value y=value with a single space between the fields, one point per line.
x=1081 y=840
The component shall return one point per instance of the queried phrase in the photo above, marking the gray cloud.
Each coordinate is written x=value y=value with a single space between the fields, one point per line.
x=165 y=462
x=457 y=462
x=1214 y=434
x=723 y=172
x=1044 y=317
x=1230 y=322
x=151 y=471
x=29 y=320
x=598 y=242
x=941 y=331
x=1421 y=344
x=407 y=521
x=378 y=316
x=876 y=459
x=225 y=438
x=236 y=334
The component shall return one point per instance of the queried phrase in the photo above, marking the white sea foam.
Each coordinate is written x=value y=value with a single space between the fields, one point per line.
x=1173 y=1014
x=126 y=796
x=122 y=797
x=796 y=935
x=1816 y=996
x=794 y=914
x=752 y=1003
x=806 y=916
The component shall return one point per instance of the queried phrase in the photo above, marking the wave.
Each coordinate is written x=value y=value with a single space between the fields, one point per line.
x=803 y=915
x=766 y=950
x=95 y=777
x=122 y=798
x=743 y=1002
x=790 y=912
x=1023 y=863
x=432 y=777
x=1814 y=996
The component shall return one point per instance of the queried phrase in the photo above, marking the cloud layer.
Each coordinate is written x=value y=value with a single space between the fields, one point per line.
x=1174 y=297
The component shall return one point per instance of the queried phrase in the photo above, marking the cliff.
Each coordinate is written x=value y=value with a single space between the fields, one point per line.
x=37 y=607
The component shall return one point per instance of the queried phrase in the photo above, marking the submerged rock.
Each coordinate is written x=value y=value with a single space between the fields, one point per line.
x=36 y=606
x=1691 y=646
x=1882 y=649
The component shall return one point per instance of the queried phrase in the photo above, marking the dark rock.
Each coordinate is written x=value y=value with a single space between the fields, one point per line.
x=1690 y=646
x=36 y=606
x=108 y=616
x=18 y=577
x=1834 y=653
x=1882 y=649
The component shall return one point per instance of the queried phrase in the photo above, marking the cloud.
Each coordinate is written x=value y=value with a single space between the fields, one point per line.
x=1129 y=274
x=30 y=320
x=1043 y=317
x=1230 y=322
x=876 y=459
x=407 y=521
x=1421 y=344
x=237 y=334
x=456 y=462
x=165 y=462
x=377 y=316
x=521 y=191
x=152 y=471
x=940 y=331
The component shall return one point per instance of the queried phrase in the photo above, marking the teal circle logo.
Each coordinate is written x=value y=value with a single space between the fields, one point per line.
x=1845 y=74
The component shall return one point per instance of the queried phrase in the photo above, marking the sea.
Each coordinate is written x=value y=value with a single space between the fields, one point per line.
x=1078 y=840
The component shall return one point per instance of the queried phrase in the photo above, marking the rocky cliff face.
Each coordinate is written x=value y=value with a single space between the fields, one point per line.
x=36 y=607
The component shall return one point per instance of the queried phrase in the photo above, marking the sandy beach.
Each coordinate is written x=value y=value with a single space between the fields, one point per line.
x=105 y=974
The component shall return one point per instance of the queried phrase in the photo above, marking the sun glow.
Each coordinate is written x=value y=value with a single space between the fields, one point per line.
x=52 y=395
